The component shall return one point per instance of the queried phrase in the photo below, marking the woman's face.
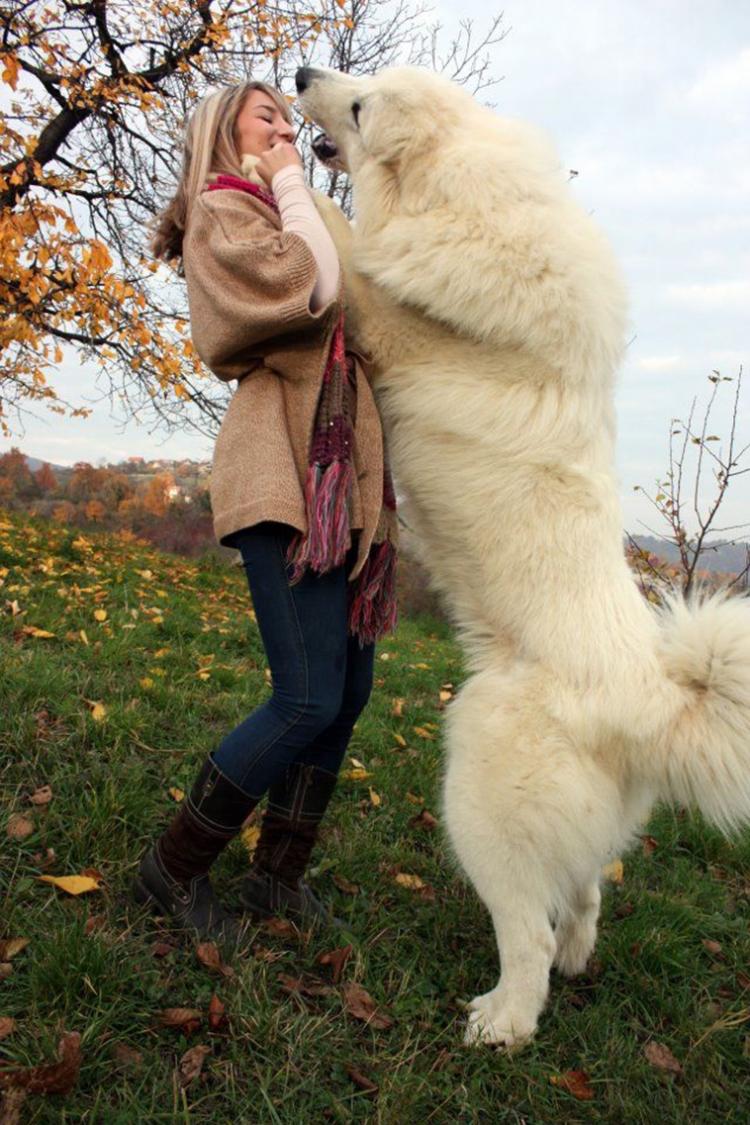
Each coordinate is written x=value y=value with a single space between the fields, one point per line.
x=260 y=125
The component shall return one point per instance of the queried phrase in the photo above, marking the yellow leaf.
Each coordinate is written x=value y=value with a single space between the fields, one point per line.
x=445 y=696
x=10 y=72
x=98 y=710
x=400 y=739
x=397 y=709
x=100 y=614
x=83 y=636
x=250 y=836
x=613 y=871
x=146 y=682
x=424 y=733
x=356 y=762
x=355 y=775
x=32 y=631
x=160 y=652
x=411 y=882
x=203 y=674
x=412 y=797
x=71 y=884
x=375 y=798
x=178 y=794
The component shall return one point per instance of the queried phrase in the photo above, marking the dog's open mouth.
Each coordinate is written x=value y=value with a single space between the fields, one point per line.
x=325 y=150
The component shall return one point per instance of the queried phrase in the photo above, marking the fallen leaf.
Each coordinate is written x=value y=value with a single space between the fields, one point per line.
x=662 y=1058
x=7 y=1026
x=423 y=733
x=410 y=882
x=162 y=949
x=445 y=696
x=361 y=1080
x=250 y=836
x=400 y=739
x=712 y=946
x=356 y=774
x=305 y=987
x=361 y=1006
x=186 y=1019
x=397 y=709
x=423 y=819
x=93 y=923
x=71 y=884
x=127 y=1056
x=414 y=800
x=33 y=631
x=614 y=871
x=41 y=796
x=576 y=1082
x=6 y=970
x=48 y=1078
x=11 y=946
x=336 y=958
x=649 y=844
x=100 y=614
x=191 y=1063
x=375 y=798
x=177 y=794
x=217 y=1018
x=281 y=927
x=11 y=1105
x=345 y=886
x=19 y=827
x=208 y=954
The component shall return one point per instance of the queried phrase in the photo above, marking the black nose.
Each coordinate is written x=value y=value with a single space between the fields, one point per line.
x=303 y=78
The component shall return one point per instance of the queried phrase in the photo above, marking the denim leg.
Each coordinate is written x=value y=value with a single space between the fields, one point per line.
x=304 y=632
x=328 y=749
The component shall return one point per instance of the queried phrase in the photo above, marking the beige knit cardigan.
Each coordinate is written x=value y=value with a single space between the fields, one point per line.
x=249 y=285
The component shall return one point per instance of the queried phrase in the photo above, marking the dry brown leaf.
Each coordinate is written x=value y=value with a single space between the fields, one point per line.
x=48 y=1078
x=93 y=923
x=304 y=986
x=19 y=827
x=7 y=1026
x=336 y=958
x=71 y=884
x=6 y=970
x=576 y=1082
x=127 y=1056
x=345 y=886
x=217 y=1017
x=425 y=820
x=41 y=796
x=397 y=709
x=361 y=1080
x=662 y=1058
x=361 y=1006
x=191 y=1063
x=712 y=946
x=280 y=927
x=649 y=844
x=11 y=946
x=411 y=882
x=162 y=949
x=208 y=954
x=186 y=1019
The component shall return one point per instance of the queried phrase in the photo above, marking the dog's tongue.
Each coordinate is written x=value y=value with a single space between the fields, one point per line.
x=324 y=148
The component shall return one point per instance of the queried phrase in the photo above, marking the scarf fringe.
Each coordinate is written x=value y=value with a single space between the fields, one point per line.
x=372 y=607
x=327 y=489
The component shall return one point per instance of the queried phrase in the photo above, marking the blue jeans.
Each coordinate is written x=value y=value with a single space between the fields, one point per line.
x=321 y=677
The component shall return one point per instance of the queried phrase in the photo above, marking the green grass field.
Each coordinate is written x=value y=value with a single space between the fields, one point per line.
x=152 y=660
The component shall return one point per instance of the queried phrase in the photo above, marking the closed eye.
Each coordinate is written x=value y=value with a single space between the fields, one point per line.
x=356 y=107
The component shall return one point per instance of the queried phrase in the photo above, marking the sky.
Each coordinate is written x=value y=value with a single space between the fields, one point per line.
x=650 y=103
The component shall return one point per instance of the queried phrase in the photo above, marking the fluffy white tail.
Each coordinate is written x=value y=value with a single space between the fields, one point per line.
x=705 y=750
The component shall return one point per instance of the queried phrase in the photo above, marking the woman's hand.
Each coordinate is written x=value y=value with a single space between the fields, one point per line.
x=282 y=155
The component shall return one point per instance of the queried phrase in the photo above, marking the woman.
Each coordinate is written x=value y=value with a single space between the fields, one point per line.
x=299 y=486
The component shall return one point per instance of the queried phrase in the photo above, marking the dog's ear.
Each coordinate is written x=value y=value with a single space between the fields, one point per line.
x=395 y=125
x=248 y=166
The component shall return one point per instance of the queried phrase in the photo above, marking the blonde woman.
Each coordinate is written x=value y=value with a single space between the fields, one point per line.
x=299 y=486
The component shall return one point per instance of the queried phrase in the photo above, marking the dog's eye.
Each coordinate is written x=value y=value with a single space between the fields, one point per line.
x=356 y=107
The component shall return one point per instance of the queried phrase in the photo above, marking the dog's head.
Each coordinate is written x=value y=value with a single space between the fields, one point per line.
x=391 y=117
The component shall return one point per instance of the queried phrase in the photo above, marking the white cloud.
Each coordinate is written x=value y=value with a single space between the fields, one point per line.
x=659 y=362
x=725 y=84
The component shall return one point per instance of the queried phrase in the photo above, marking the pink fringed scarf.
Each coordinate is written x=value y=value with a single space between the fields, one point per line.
x=372 y=608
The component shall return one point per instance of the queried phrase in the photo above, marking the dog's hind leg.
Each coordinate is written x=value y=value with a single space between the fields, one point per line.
x=575 y=933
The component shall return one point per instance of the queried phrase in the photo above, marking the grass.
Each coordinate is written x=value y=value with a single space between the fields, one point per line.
x=176 y=663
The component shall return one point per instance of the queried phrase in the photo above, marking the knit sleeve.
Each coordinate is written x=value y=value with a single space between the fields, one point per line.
x=249 y=283
x=299 y=214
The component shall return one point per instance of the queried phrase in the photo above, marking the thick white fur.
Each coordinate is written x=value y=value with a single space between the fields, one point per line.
x=495 y=315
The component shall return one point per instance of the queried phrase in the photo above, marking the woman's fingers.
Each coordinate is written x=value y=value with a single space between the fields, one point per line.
x=282 y=155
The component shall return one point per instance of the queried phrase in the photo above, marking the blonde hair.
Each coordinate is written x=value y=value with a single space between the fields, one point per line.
x=208 y=146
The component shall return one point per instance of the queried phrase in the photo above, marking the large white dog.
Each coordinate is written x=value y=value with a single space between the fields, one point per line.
x=495 y=313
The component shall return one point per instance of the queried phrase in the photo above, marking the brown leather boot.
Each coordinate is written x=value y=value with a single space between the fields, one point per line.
x=274 y=884
x=173 y=874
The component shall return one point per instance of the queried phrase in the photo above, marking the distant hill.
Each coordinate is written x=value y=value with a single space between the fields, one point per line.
x=720 y=557
x=34 y=464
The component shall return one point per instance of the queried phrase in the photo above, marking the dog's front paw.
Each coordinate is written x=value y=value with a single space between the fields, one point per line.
x=492 y=1019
